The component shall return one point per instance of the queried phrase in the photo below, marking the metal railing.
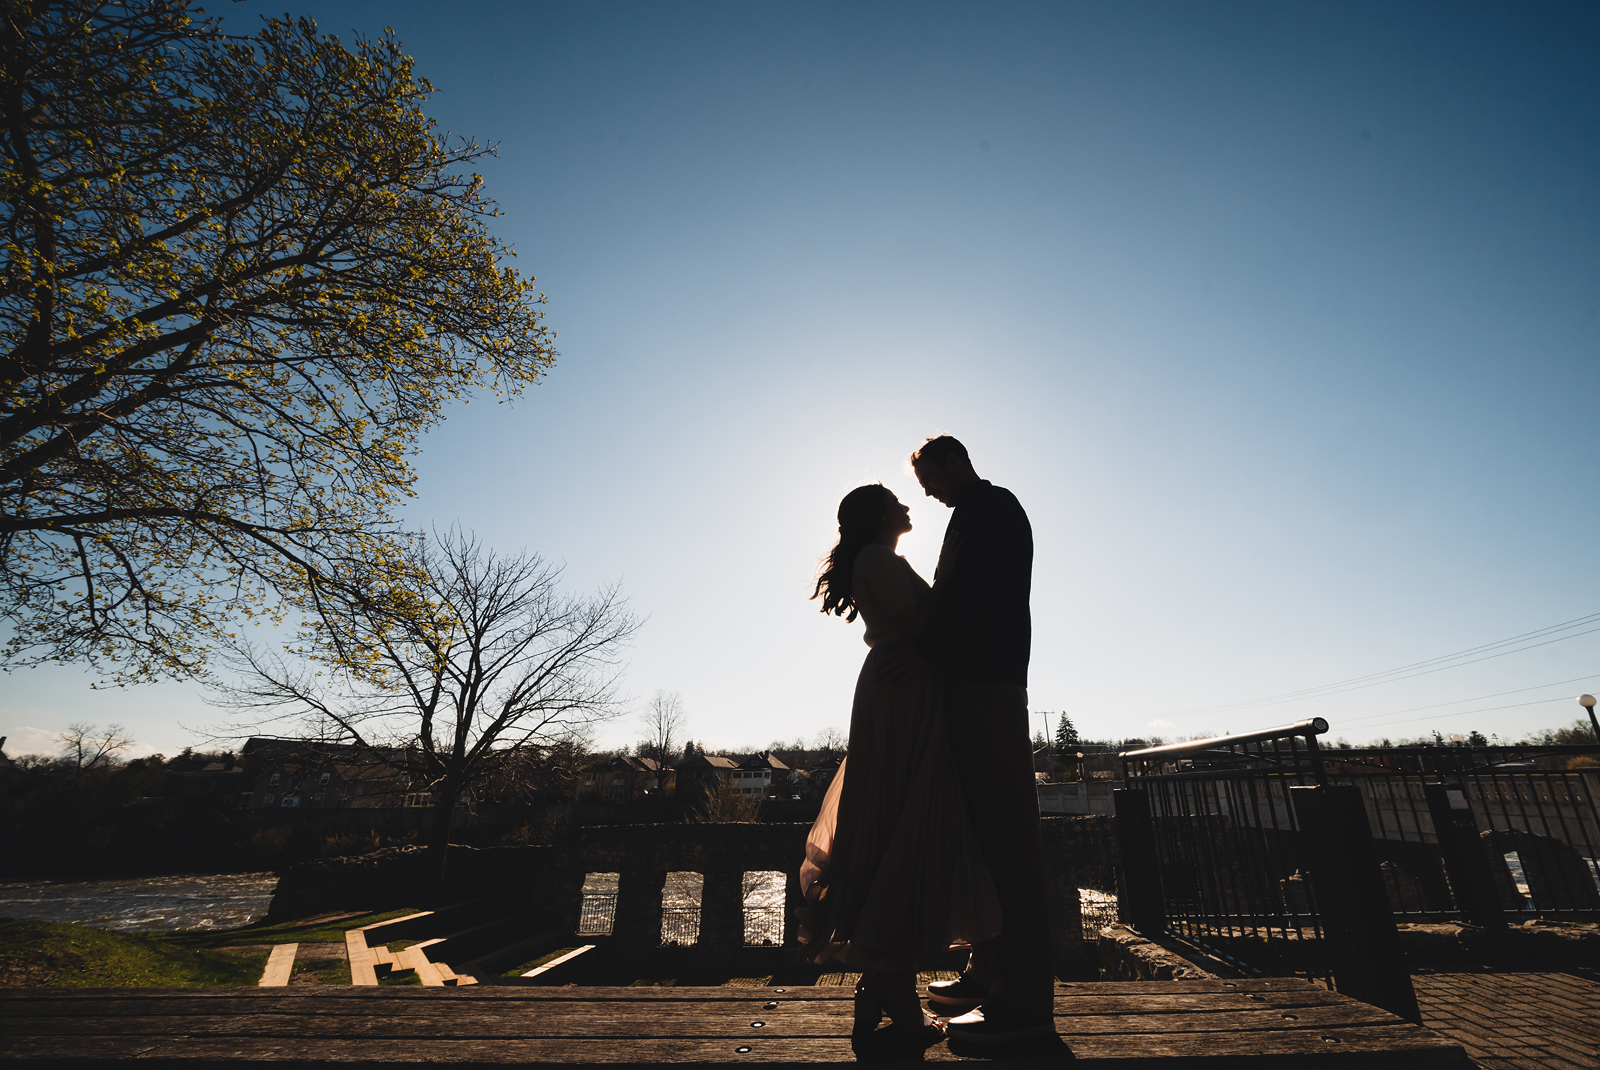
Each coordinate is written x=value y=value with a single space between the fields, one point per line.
x=597 y=914
x=763 y=926
x=1224 y=855
x=1240 y=845
x=1237 y=843
x=1476 y=832
x=680 y=926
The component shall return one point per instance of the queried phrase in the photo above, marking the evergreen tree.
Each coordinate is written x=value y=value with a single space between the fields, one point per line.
x=1066 y=735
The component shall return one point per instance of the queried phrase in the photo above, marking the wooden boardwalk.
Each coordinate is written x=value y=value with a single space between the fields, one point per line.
x=1263 y=1024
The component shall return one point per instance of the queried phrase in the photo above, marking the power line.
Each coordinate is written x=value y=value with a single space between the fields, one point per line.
x=1461 y=713
x=1479 y=698
x=1355 y=723
x=1415 y=669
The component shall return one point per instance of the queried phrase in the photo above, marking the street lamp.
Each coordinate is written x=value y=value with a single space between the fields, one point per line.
x=1587 y=702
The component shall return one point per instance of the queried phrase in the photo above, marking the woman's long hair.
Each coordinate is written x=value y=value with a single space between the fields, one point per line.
x=860 y=516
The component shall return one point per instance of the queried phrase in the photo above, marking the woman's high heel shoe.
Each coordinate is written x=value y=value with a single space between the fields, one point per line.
x=911 y=1029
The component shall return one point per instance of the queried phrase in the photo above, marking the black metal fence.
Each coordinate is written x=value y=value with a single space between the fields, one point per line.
x=597 y=913
x=1482 y=834
x=1286 y=858
x=1212 y=850
x=680 y=926
x=763 y=926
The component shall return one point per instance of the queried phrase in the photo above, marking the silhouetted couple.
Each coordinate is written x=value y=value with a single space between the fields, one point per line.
x=929 y=836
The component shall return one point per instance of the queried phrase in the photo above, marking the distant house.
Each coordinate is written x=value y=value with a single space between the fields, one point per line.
x=624 y=778
x=822 y=775
x=763 y=775
x=698 y=776
x=219 y=783
x=292 y=774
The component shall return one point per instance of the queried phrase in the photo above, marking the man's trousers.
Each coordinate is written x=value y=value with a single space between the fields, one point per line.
x=994 y=759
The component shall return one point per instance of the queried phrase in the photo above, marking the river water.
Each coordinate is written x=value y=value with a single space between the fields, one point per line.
x=145 y=904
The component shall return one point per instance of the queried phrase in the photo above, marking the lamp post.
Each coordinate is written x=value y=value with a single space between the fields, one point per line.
x=1587 y=702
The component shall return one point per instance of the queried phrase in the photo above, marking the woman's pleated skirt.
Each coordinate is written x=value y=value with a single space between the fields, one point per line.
x=893 y=874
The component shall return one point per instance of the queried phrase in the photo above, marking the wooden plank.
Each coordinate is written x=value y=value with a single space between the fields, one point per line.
x=1297 y=992
x=579 y=1021
x=360 y=956
x=393 y=921
x=346 y=1001
x=381 y=955
x=415 y=958
x=1350 y=1048
x=1242 y=984
x=563 y=960
x=202 y=1051
x=79 y=1048
x=280 y=964
x=1155 y=1003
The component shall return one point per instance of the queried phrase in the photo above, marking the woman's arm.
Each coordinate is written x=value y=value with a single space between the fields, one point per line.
x=914 y=619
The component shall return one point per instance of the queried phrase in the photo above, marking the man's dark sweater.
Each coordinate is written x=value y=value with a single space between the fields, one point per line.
x=983 y=630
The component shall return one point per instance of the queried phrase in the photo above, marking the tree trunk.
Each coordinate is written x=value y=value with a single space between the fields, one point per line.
x=444 y=808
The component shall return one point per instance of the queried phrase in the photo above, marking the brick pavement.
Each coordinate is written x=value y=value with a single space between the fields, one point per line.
x=1516 y=1017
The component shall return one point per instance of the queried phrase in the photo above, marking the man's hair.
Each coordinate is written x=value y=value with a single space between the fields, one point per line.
x=938 y=451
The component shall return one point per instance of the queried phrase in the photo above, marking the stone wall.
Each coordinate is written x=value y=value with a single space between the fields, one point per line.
x=1124 y=955
x=548 y=882
x=402 y=876
x=1557 y=877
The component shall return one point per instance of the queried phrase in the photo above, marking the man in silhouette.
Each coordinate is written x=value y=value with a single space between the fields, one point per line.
x=980 y=640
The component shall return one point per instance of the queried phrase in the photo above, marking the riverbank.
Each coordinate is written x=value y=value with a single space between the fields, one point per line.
x=215 y=901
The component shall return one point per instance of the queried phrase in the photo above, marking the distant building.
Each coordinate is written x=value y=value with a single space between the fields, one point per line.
x=624 y=778
x=290 y=774
x=698 y=776
x=822 y=775
x=219 y=782
x=764 y=776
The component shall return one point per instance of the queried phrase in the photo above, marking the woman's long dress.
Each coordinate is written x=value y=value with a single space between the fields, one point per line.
x=893 y=873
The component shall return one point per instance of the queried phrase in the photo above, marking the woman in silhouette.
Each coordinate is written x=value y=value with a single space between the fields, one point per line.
x=893 y=873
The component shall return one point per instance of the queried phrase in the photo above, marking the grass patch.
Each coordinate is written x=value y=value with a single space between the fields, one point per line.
x=404 y=977
x=47 y=953
x=321 y=972
x=53 y=954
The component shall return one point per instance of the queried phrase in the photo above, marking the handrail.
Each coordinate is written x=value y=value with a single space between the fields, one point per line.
x=1310 y=728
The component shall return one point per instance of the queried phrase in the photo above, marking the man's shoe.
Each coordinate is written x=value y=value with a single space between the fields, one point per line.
x=963 y=992
x=975 y=1027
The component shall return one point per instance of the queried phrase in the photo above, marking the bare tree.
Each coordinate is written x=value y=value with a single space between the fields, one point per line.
x=664 y=719
x=831 y=743
x=86 y=747
x=446 y=683
x=723 y=802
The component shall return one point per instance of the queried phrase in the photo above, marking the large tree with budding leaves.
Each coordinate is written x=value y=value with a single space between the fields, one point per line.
x=241 y=276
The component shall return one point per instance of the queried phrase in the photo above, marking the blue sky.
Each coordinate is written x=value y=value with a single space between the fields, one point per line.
x=1280 y=319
